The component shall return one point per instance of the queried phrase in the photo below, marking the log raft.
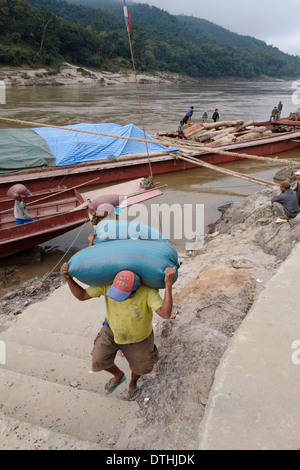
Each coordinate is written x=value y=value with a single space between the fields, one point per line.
x=220 y=133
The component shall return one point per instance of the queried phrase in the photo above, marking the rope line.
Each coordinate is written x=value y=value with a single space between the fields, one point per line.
x=44 y=279
x=139 y=100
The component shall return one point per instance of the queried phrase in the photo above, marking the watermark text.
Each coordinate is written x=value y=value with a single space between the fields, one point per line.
x=2 y=92
x=296 y=354
x=183 y=223
x=296 y=94
x=2 y=353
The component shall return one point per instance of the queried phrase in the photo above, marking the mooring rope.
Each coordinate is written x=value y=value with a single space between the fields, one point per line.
x=44 y=279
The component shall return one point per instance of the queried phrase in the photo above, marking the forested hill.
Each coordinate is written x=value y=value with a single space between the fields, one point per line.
x=46 y=32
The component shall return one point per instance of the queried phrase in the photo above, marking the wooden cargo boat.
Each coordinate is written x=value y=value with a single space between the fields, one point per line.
x=57 y=213
x=137 y=166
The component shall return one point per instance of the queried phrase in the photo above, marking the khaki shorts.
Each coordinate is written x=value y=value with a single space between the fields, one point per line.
x=141 y=356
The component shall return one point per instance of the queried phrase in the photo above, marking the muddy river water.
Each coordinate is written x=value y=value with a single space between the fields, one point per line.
x=163 y=108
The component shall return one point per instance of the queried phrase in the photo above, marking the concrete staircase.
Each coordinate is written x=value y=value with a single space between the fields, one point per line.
x=48 y=398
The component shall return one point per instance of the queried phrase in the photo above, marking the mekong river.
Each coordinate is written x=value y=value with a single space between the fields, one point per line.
x=163 y=107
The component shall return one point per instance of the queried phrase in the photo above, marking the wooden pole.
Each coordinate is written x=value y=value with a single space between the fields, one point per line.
x=203 y=150
x=226 y=171
x=36 y=124
x=207 y=150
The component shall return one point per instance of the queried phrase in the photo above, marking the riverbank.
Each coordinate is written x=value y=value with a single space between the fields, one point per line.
x=216 y=289
x=69 y=74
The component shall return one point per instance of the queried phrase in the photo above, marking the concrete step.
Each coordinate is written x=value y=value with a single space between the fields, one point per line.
x=68 y=316
x=65 y=410
x=46 y=340
x=18 y=435
x=62 y=369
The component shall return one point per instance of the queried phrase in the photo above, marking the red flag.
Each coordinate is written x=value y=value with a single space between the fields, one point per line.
x=126 y=15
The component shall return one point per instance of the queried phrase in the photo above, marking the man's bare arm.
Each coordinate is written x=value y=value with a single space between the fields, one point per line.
x=166 y=309
x=79 y=292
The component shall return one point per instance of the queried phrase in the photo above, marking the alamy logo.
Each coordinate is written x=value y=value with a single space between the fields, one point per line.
x=296 y=354
x=2 y=93
x=176 y=222
x=2 y=353
x=296 y=94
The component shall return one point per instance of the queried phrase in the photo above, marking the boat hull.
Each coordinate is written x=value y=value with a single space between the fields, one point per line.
x=29 y=235
x=56 y=213
x=53 y=214
x=131 y=168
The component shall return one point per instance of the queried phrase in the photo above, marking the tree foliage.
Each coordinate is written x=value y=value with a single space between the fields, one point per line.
x=38 y=32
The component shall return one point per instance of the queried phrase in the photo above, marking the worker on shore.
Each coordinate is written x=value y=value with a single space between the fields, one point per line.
x=286 y=204
x=20 y=211
x=128 y=325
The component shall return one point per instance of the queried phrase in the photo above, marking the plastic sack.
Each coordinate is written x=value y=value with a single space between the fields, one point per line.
x=18 y=190
x=109 y=230
x=103 y=205
x=99 y=264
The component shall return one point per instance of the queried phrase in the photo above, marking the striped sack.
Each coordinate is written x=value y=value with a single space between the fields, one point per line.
x=99 y=264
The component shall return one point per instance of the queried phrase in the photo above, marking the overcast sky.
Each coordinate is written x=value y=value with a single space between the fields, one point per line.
x=277 y=22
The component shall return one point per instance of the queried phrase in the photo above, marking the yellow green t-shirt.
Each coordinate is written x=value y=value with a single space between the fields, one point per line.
x=130 y=320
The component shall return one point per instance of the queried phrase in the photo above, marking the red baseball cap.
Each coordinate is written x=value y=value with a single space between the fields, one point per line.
x=125 y=282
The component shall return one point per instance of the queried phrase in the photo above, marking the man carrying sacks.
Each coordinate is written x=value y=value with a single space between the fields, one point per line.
x=128 y=325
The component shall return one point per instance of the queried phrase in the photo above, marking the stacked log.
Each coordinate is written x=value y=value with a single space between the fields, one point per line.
x=222 y=132
x=291 y=117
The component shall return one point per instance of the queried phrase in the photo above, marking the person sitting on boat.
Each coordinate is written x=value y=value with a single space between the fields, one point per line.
x=297 y=189
x=20 y=211
x=286 y=204
x=216 y=116
x=180 y=131
x=128 y=325
x=274 y=114
x=188 y=115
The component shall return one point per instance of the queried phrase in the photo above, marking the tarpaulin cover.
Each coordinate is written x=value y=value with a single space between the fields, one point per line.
x=23 y=148
x=74 y=147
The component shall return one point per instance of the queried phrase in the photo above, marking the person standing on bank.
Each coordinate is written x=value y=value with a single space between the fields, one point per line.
x=128 y=325
x=286 y=204
x=20 y=211
x=216 y=116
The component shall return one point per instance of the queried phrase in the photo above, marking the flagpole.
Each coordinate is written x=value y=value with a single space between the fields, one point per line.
x=137 y=87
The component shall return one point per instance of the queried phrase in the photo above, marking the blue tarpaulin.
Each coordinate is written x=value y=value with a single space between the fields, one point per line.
x=71 y=147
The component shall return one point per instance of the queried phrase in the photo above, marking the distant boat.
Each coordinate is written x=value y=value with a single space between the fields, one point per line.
x=97 y=158
x=56 y=213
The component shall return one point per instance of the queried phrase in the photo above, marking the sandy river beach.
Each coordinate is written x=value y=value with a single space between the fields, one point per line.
x=69 y=74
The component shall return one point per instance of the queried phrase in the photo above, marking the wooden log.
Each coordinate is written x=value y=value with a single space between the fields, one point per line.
x=190 y=130
x=220 y=135
x=229 y=139
x=219 y=124
x=240 y=127
x=250 y=136
x=260 y=129
x=205 y=137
